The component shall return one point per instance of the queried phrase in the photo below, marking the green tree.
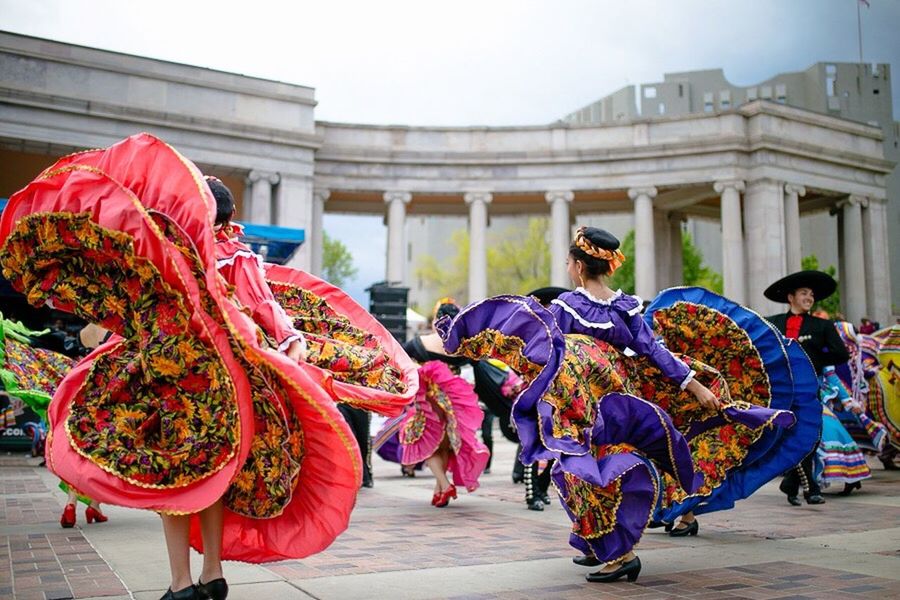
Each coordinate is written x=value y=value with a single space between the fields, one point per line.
x=522 y=264
x=623 y=278
x=831 y=304
x=693 y=271
x=337 y=262
x=452 y=280
x=516 y=264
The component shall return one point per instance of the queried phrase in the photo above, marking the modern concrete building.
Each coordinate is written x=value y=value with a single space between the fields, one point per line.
x=755 y=167
x=856 y=92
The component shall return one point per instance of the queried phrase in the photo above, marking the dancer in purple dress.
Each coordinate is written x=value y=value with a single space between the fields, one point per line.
x=634 y=428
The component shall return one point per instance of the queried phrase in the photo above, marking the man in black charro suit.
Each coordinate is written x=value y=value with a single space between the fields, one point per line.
x=822 y=344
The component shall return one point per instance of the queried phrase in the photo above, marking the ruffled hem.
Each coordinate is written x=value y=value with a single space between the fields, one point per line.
x=884 y=390
x=355 y=358
x=272 y=443
x=608 y=521
x=783 y=432
x=446 y=407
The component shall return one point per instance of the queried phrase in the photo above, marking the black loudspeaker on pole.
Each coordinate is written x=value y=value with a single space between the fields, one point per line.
x=387 y=303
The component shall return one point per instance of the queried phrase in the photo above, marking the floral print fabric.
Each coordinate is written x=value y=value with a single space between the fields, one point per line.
x=131 y=418
x=350 y=353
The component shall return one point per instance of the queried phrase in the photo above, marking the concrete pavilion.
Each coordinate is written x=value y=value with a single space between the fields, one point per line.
x=755 y=167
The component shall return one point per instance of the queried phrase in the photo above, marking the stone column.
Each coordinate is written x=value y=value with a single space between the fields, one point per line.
x=560 y=234
x=764 y=235
x=878 y=269
x=259 y=209
x=854 y=274
x=733 y=265
x=662 y=246
x=316 y=236
x=396 y=224
x=294 y=208
x=676 y=257
x=841 y=268
x=477 y=202
x=644 y=251
x=793 y=253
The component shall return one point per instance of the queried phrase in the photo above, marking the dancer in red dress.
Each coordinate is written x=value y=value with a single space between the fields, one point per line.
x=186 y=410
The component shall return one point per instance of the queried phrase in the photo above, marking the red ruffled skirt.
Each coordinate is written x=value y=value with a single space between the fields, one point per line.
x=183 y=406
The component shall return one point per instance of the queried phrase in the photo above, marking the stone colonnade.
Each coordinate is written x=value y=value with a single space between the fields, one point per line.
x=760 y=241
x=227 y=123
x=288 y=200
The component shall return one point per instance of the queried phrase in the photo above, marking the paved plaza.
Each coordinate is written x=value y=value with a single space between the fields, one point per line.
x=484 y=546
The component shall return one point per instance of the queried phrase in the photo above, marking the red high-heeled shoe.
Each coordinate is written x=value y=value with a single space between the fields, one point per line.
x=434 y=498
x=68 y=517
x=445 y=496
x=92 y=514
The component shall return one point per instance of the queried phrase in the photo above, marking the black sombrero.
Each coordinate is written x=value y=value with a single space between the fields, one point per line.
x=547 y=294
x=822 y=285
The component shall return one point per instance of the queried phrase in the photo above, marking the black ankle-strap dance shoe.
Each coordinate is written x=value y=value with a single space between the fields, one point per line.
x=188 y=593
x=587 y=561
x=631 y=570
x=849 y=487
x=217 y=589
x=693 y=528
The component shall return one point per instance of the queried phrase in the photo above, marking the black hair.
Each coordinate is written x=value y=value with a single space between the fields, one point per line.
x=599 y=238
x=224 y=200
x=447 y=309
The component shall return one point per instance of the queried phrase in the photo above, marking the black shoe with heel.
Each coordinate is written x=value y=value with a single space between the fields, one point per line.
x=658 y=524
x=587 y=561
x=188 y=593
x=849 y=487
x=631 y=570
x=217 y=589
x=693 y=528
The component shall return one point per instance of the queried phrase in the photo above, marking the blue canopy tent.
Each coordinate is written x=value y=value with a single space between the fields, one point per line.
x=275 y=244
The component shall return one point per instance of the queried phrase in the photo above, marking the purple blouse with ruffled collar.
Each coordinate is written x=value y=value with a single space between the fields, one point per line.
x=617 y=321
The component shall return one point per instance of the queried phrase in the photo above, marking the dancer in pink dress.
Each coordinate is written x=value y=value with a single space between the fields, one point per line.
x=440 y=425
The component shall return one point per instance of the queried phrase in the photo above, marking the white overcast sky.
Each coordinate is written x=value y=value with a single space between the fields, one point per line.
x=485 y=62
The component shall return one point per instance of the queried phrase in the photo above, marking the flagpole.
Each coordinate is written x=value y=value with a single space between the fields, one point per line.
x=859 y=29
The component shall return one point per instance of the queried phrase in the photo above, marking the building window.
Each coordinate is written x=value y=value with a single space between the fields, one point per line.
x=781 y=93
x=707 y=102
x=830 y=79
x=681 y=90
x=662 y=108
x=649 y=92
x=725 y=99
x=766 y=92
x=751 y=94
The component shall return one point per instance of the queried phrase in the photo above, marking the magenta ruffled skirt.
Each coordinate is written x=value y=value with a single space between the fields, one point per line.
x=445 y=406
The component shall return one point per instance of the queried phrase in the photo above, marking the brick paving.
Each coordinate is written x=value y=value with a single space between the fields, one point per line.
x=762 y=581
x=38 y=559
x=395 y=534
